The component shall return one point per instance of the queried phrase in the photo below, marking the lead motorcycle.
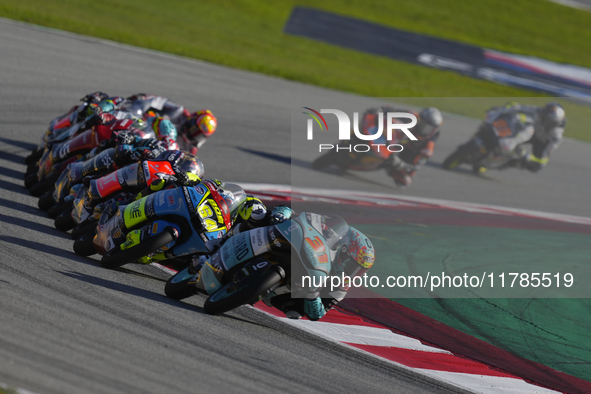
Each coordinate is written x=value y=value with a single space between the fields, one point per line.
x=263 y=263
x=495 y=145
x=168 y=224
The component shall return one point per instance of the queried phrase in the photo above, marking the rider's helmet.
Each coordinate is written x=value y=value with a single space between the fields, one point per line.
x=428 y=122
x=552 y=115
x=198 y=126
x=163 y=127
x=355 y=254
x=228 y=196
x=185 y=161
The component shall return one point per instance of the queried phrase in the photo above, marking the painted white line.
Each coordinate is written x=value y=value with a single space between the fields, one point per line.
x=481 y=384
x=488 y=384
x=363 y=335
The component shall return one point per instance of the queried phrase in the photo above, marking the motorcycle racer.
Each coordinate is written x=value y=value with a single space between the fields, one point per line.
x=194 y=128
x=99 y=108
x=352 y=255
x=546 y=126
x=400 y=165
x=404 y=166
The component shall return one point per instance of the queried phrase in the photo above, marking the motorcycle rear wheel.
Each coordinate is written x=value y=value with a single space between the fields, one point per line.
x=235 y=294
x=84 y=246
x=57 y=209
x=48 y=184
x=64 y=221
x=34 y=156
x=46 y=201
x=31 y=180
x=87 y=227
x=117 y=257
x=178 y=286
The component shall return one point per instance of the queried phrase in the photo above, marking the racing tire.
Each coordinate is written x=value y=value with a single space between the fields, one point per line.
x=57 y=209
x=235 y=294
x=117 y=257
x=46 y=201
x=178 y=286
x=34 y=156
x=31 y=169
x=64 y=221
x=48 y=184
x=84 y=246
x=30 y=180
x=454 y=160
x=83 y=229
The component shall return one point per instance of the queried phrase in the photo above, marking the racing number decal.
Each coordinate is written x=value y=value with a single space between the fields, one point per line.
x=206 y=212
x=108 y=184
x=502 y=128
x=319 y=248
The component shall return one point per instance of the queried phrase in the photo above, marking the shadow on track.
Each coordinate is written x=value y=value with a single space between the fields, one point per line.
x=12 y=157
x=11 y=173
x=44 y=248
x=20 y=144
x=308 y=165
x=13 y=187
x=33 y=226
x=123 y=288
x=22 y=208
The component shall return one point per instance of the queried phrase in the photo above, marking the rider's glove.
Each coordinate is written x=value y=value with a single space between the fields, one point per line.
x=181 y=176
x=314 y=309
x=110 y=143
x=125 y=137
x=280 y=214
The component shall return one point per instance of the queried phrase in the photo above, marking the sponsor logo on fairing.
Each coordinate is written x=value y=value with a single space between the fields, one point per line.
x=345 y=130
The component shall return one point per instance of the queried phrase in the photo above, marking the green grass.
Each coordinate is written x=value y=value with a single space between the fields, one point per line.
x=248 y=34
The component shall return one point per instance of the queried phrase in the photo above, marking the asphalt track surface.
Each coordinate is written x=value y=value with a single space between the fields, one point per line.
x=69 y=326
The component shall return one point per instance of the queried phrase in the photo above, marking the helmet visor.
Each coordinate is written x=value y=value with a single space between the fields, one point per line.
x=335 y=230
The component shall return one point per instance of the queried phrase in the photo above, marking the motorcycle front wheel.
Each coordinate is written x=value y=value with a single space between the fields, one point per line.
x=54 y=211
x=178 y=286
x=117 y=257
x=84 y=246
x=237 y=293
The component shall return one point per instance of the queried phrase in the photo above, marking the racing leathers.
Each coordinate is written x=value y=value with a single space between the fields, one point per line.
x=525 y=122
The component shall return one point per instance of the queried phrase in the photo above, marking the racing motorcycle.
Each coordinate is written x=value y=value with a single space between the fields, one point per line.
x=363 y=157
x=168 y=224
x=60 y=198
x=57 y=156
x=235 y=275
x=73 y=175
x=494 y=146
x=120 y=187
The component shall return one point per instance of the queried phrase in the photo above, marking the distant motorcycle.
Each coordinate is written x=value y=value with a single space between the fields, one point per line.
x=494 y=146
